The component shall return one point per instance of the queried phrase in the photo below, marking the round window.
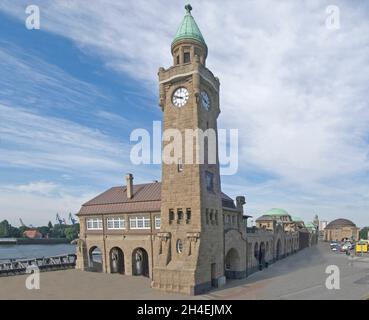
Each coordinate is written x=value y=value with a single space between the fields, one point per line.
x=179 y=246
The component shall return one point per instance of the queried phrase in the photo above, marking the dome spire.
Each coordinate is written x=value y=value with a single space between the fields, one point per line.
x=189 y=29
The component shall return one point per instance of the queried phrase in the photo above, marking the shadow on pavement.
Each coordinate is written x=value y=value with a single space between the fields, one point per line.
x=304 y=259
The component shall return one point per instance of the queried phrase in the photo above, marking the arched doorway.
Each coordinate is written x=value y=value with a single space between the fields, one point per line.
x=140 y=262
x=278 y=249
x=231 y=264
x=116 y=260
x=256 y=251
x=95 y=259
x=261 y=255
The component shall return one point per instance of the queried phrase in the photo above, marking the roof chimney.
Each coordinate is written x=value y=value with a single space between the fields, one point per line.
x=240 y=202
x=129 y=179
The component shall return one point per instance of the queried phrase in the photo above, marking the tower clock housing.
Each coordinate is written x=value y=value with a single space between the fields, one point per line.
x=190 y=245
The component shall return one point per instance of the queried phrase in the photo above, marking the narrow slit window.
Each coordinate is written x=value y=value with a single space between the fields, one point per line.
x=188 y=215
x=171 y=215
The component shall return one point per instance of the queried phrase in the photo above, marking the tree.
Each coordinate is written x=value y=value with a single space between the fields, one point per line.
x=4 y=229
x=14 y=232
x=44 y=230
x=364 y=233
x=72 y=232
x=7 y=230
x=58 y=231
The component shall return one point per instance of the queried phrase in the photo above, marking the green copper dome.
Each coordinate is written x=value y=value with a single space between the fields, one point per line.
x=189 y=29
x=297 y=219
x=276 y=212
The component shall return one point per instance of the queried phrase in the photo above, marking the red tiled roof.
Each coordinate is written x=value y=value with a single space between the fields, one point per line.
x=141 y=192
x=146 y=198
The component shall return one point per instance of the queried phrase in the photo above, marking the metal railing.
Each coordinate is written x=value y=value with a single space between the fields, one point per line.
x=17 y=267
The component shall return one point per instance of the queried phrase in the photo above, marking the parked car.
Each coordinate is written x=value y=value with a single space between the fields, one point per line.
x=334 y=244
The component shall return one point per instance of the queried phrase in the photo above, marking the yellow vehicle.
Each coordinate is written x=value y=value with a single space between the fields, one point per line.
x=362 y=247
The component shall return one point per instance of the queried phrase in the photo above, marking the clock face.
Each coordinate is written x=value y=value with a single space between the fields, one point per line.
x=180 y=97
x=205 y=100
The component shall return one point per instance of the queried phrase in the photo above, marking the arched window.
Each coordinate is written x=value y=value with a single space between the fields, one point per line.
x=179 y=246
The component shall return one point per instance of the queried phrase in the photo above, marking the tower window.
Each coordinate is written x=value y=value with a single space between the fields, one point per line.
x=197 y=52
x=177 y=60
x=180 y=165
x=209 y=181
x=186 y=57
x=188 y=215
x=207 y=216
x=179 y=246
x=171 y=215
x=179 y=215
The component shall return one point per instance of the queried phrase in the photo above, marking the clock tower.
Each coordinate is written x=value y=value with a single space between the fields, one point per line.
x=189 y=249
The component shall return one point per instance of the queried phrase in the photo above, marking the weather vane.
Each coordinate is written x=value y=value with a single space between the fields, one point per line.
x=188 y=7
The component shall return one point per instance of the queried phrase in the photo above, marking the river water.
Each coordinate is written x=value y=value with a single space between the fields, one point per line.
x=34 y=251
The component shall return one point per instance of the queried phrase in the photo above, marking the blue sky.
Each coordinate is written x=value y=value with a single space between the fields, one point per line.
x=72 y=92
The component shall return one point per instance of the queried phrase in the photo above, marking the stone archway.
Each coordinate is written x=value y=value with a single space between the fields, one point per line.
x=116 y=257
x=140 y=262
x=261 y=257
x=256 y=251
x=278 y=249
x=232 y=263
x=95 y=259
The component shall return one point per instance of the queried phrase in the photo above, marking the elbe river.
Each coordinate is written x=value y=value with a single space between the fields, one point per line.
x=34 y=251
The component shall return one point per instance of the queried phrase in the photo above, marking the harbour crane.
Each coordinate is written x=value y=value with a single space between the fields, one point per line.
x=21 y=222
x=23 y=225
x=71 y=219
x=60 y=220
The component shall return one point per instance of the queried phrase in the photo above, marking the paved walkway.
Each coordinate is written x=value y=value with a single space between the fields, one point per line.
x=301 y=276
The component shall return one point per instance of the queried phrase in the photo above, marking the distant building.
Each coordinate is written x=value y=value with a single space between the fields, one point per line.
x=340 y=229
x=306 y=235
x=32 y=234
x=322 y=225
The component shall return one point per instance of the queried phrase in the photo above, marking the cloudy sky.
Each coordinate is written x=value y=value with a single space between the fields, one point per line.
x=72 y=92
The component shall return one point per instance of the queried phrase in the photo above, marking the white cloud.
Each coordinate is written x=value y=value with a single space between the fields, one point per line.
x=300 y=91
x=39 y=187
x=37 y=203
x=55 y=144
